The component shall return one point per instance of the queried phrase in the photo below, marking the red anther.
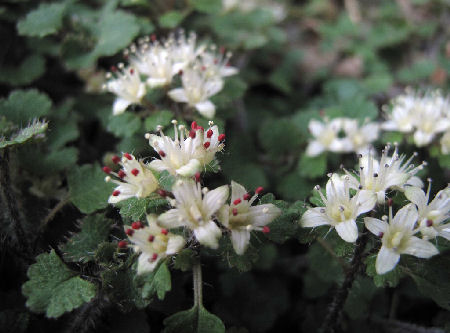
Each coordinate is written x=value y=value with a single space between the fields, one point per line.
x=115 y=159
x=113 y=69
x=266 y=229
x=121 y=174
x=380 y=234
x=122 y=244
x=247 y=196
x=161 y=153
x=116 y=193
x=390 y=202
x=221 y=137
x=197 y=177
x=207 y=144
x=153 y=37
x=137 y=225
x=237 y=202
x=429 y=223
x=259 y=189
x=162 y=193
x=234 y=211
x=151 y=238
x=222 y=49
x=106 y=170
x=164 y=231
x=180 y=72
x=194 y=125
x=192 y=134
x=129 y=232
x=154 y=256
x=209 y=133
x=135 y=172
x=126 y=57
x=203 y=68
x=131 y=71
x=127 y=156
x=199 y=128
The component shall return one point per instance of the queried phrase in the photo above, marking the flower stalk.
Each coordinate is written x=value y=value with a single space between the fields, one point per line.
x=197 y=280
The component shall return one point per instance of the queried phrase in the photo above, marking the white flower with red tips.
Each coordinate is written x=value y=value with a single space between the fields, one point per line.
x=128 y=87
x=340 y=210
x=209 y=142
x=398 y=238
x=153 y=243
x=195 y=209
x=133 y=180
x=431 y=215
x=197 y=89
x=387 y=173
x=240 y=217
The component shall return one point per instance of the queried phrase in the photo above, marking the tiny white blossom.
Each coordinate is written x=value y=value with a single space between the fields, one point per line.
x=431 y=215
x=127 y=85
x=197 y=89
x=401 y=117
x=195 y=209
x=398 y=238
x=326 y=137
x=389 y=172
x=445 y=143
x=240 y=217
x=360 y=137
x=133 y=180
x=340 y=210
x=153 y=243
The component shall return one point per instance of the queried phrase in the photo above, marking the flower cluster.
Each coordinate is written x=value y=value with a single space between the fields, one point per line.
x=206 y=214
x=423 y=115
x=154 y=63
x=349 y=196
x=327 y=136
x=277 y=9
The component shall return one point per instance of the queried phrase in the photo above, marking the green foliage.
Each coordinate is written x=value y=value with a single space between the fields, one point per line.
x=242 y=263
x=24 y=105
x=171 y=19
x=137 y=208
x=196 y=320
x=312 y=167
x=184 y=260
x=157 y=282
x=279 y=136
x=124 y=125
x=162 y=118
x=43 y=21
x=207 y=6
x=81 y=247
x=30 y=69
x=88 y=189
x=390 y=279
x=34 y=130
x=166 y=180
x=358 y=301
x=53 y=288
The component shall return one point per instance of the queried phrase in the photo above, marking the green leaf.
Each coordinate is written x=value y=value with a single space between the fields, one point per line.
x=158 y=282
x=37 y=128
x=166 y=180
x=431 y=277
x=30 y=69
x=124 y=125
x=207 y=6
x=137 y=208
x=242 y=263
x=88 y=189
x=24 y=105
x=171 y=19
x=358 y=300
x=279 y=136
x=43 y=21
x=195 y=320
x=312 y=167
x=162 y=118
x=390 y=279
x=184 y=260
x=53 y=288
x=61 y=134
x=81 y=247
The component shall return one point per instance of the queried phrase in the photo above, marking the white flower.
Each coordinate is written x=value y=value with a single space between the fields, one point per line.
x=154 y=243
x=401 y=118
x=216 y=65
x=185 y=50
x=326 y=137
x=127 y=86
x=360 y=137
x=433 y=215
x=378 y=176
x=340 y=209
x=185 y=156
x=445 y=143
x=196 y=91
x=134 y=180
x=240 y=217
x=398 y=238
x=195 y=209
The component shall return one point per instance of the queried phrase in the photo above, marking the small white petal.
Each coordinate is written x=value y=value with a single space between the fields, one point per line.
x=189 y=169
x=156 y=82
x=240 y=240
x=207 y=109
x=146 y=264
x=175 y=244
x=215 y=199
x=316 y=127
x=420 y=248
x=375 y=226
x=208 y=235
x=262 y=215
x=120 y=105
x=416 y=196
x=406 y=217
x=178 y=95
x=386 y=260
x=314 y=218
x=314 y=148
x=237 y=191
x=171 y=219
x=347 y=230
x=366 y=201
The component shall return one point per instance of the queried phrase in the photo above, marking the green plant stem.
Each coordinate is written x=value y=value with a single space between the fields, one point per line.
x=197 y=277
x=337 y=305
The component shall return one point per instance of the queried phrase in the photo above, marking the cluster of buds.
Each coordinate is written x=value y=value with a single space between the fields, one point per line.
x=202 y=70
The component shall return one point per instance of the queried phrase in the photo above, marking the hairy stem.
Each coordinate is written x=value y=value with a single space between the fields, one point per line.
x=55 y=210
x=197 y=276
x=337 y=305
x=12 y=211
